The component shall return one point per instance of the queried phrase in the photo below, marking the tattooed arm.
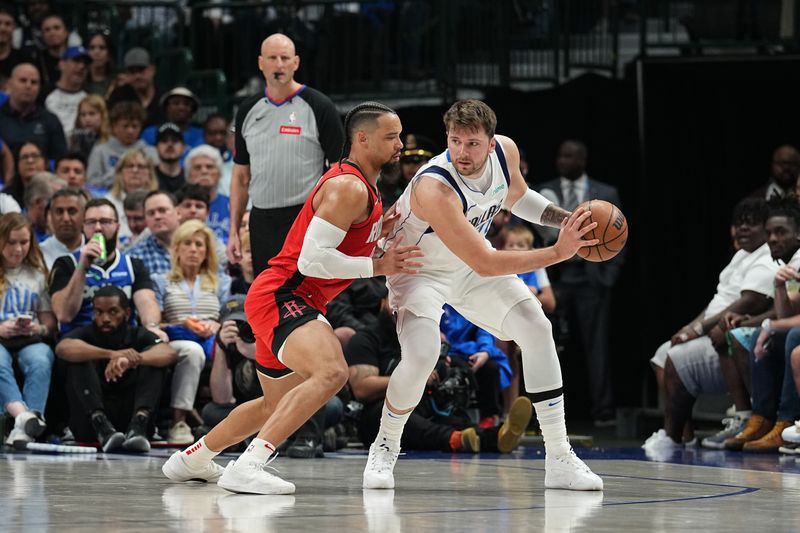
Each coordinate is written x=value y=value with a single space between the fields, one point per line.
x=554 y=215
x=366 y=384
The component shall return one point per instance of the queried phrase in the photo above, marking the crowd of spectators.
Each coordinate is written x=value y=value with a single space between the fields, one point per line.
x=746 y=341
x=118 y=298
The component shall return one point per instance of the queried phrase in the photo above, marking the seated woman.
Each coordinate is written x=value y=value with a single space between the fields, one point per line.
x=190 y=296
x=134 y=172
x=26 y=320
x=30 y=160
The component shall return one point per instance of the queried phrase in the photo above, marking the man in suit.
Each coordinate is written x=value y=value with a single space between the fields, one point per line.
x=784 y=172
x=583 y=289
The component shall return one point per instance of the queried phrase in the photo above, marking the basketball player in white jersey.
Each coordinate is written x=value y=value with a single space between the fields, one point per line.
x=446 y=210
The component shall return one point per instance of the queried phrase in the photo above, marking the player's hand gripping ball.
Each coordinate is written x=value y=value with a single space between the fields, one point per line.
x=611 y=230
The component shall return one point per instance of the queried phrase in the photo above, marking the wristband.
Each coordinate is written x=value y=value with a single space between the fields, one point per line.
x=697 y=327
x=79 y=266
x=766 y=325
x=151 y=325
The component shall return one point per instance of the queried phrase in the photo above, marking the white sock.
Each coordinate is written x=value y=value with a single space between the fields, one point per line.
x=741 y=415
x=554 y=429
x=198 y=454
x=258 y=451
x=392 y=426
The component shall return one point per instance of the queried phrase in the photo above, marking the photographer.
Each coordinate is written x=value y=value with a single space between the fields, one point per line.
x=475 y=348
x=439 y=422
x=234 y=380
x=233 y=376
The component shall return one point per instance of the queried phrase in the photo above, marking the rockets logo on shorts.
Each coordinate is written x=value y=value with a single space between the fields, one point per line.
x=293 y=309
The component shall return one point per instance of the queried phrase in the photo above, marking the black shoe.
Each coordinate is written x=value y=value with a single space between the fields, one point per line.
x=35 y=425
x=305 y=448
x=329 y=440
x=109 y=438
x=136 y=438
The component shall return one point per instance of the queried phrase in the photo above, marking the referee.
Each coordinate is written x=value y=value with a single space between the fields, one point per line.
x=283 y=140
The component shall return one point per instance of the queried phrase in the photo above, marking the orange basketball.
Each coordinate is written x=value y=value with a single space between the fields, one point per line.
x=612 y=230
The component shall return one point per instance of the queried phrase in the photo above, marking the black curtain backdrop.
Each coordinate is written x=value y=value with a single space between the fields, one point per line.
x=709 y=130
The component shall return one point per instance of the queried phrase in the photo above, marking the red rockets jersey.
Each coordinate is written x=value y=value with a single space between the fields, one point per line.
x=360 y=241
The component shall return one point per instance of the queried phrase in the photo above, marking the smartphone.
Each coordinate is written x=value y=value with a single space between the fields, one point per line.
x=23 y=321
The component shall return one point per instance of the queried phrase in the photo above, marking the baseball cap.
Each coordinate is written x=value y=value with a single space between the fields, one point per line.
x=233 y=309
x=77 y=53
x=136 y=57
x=181 y=91
x=169 y=129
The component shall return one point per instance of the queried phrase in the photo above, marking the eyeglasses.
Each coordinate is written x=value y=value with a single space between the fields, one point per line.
x=30 y=157
x=135 y=70
x=105 y=222
x=134 y=166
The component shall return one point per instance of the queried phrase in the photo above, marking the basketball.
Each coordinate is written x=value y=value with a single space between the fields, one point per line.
x=612 y=230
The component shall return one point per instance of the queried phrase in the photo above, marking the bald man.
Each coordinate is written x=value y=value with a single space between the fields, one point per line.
x=285 y=139
x=23 y=120
x=784 y=170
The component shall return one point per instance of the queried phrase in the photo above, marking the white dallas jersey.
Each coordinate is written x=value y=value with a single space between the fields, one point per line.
x=479 y=208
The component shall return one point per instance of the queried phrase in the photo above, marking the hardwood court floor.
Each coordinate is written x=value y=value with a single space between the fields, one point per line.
x=692 y=490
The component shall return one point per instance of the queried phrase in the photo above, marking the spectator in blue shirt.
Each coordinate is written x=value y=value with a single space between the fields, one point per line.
x=476 y=348
x=162 y=221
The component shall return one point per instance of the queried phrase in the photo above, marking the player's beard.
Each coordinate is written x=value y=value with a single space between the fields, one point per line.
x=390 y=168
x=114 y=339
x=111 y=244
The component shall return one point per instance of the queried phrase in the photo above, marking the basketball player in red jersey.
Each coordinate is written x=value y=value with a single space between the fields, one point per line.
x=299 y=359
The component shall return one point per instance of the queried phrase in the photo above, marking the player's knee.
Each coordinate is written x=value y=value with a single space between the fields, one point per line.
x=334 y=376
x=537 y=328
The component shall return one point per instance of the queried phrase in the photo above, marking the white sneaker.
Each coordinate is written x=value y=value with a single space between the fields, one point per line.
x=180 y=433
x=177 y=469
x=380 y=464
x=652 y=438
x=660 y=447
x=253 y=479
x=661 y=441
x=732 y=426
x=792 y=433
x=567 y=471
x=18 y=439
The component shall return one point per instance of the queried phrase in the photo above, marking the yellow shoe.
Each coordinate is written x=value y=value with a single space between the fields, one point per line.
x=770 y=442
x=470 y=441
x=513 y=428
x=757 y=426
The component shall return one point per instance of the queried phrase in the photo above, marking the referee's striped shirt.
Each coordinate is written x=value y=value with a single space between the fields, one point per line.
x=286 y=144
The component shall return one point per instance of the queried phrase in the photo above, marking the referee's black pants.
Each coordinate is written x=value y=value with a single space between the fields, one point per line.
x=268 y=230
